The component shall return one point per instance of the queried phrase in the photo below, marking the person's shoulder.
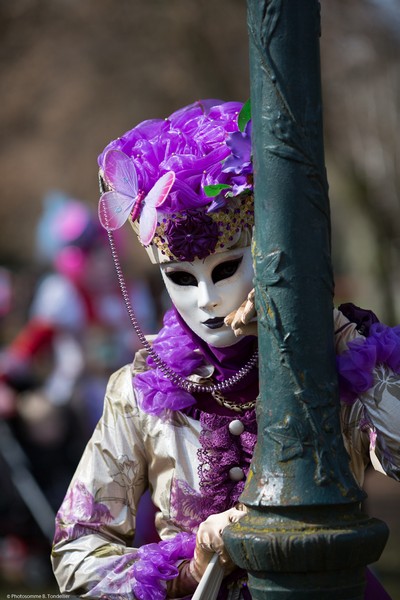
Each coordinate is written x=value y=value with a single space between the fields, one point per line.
x=345 y=331
x=140 y=364
x=120 y=399
x=120 y=389
x=121 y=376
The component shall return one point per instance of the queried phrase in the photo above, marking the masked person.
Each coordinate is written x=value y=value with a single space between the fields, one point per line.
x=181 y=419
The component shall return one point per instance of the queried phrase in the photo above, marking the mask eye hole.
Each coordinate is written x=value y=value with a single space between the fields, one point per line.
x=226 y=269
x=182 y=278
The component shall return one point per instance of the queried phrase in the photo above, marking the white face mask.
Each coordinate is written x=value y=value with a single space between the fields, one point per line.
x=206 y=290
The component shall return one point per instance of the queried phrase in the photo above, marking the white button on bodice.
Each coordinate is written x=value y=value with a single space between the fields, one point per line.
x=236 y=474
x=236 y=427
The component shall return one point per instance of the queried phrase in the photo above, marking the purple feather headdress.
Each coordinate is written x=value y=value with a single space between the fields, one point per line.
x=185 y=183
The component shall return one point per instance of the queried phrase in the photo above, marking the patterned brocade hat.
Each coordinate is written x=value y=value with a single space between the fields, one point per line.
x=185 y=183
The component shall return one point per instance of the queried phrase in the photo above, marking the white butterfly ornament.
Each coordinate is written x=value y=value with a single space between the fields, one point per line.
x=125 y=199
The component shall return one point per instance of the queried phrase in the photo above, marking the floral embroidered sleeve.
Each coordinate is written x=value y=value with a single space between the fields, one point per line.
x=369 y=382
x=92 y=554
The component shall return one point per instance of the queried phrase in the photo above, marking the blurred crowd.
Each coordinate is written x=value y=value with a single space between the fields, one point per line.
x=56 y=355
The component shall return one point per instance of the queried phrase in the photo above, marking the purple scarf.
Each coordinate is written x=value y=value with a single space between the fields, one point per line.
x=226 y=362
x=176 y=344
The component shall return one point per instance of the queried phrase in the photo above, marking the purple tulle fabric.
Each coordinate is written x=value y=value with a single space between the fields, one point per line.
x=192 y=142
x=155 y=392
x=240 y=144
x=157 y=563
x=355 y=366
x=176 y=345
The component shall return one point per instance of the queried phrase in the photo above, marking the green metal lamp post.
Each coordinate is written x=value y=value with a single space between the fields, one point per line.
x=304 y=536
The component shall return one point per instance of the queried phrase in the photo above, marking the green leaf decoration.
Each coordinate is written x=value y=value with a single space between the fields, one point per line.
x=290 y=153
x=244 y=115
x=268 y=266
x=213 y=190
x=291 y=435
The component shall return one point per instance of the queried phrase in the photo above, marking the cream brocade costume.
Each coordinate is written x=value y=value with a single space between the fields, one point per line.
x=131 y=450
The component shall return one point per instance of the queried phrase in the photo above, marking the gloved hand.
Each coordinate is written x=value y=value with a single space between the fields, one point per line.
x=243 y=321
x=209 y=540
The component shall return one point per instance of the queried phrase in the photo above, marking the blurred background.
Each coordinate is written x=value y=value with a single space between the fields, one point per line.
x=74 y=75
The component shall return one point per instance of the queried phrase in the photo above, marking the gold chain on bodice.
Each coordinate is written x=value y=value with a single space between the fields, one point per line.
x=235 y=406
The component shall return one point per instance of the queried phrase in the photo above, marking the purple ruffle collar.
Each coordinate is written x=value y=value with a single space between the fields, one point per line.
x=155 y=392
x=356 y=365
x=185 y=352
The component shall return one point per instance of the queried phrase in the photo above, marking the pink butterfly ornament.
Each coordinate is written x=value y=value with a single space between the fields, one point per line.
x=125 y=199
x=155 y=198
x=116 y=205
